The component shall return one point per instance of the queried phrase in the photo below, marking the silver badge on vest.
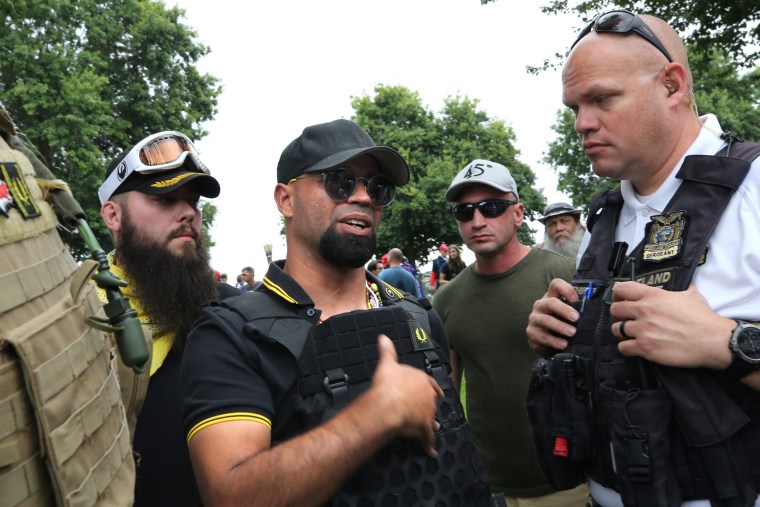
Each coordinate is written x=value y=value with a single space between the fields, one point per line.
x=665 y=236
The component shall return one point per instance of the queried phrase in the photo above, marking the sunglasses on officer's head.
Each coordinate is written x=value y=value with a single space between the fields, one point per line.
x=490 y=208
x=621 y=22
x=340 y=184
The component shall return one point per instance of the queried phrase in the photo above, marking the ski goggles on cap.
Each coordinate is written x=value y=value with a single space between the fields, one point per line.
x=160 y=152
x=621 y=22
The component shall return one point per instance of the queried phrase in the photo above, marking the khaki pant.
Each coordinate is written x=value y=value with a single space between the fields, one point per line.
x=576 y=497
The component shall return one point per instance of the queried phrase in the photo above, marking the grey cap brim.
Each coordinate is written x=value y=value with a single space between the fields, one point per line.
x=482 y=172
x=453 y=190
x=575 y=212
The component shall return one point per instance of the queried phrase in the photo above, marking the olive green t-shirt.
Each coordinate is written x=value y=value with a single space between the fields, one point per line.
x=485 y=318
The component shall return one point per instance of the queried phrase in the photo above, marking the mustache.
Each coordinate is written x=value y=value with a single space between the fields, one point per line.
x=183 y=230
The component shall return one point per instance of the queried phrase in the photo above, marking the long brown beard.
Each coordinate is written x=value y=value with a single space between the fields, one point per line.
x=172 y=287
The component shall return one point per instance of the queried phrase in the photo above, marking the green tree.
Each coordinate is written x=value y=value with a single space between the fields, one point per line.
x=436 y=146
x=567 y=158
x=84 y=79
x=731 y=27
x=732 y=96
x=209 y=213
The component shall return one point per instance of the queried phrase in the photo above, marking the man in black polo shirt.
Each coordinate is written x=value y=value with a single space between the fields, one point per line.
x=290 y=396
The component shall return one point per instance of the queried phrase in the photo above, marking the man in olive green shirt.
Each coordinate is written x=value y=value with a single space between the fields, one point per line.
x=485 y=310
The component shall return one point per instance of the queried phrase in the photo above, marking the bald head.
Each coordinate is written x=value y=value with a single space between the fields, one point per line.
x=395 y=256
x=633 y=107
x=671 y=40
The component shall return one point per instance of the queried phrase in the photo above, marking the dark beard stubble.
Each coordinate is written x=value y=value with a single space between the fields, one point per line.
x=172 y=287
x=344 y=250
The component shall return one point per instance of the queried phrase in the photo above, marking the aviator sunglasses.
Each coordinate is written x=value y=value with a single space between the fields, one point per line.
x=340 y=184
x=490 y=208
x=621 y=22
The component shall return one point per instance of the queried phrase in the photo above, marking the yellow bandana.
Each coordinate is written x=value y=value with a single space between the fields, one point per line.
x=162 y=340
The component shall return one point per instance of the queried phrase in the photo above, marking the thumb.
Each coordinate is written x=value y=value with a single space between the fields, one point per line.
x=387 y=349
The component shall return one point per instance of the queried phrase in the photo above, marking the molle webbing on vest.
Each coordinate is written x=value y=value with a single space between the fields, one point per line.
x=334 y=345
x=29 y=282
x=63 y=434
x=71 y=377
x=337 y=366
x=336 y=362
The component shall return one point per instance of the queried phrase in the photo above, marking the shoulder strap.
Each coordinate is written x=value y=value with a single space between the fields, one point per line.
x=605 y=199
x=264 y=317
x=737 y=148
x=417 y=311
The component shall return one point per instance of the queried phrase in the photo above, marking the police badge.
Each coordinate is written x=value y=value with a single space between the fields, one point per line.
x=664 y=236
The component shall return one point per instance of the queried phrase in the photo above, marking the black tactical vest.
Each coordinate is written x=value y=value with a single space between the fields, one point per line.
x=657 y=435
x=336 y=361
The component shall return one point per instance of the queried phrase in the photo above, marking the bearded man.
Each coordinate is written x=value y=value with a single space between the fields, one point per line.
x=149 y=203
x=563 y=231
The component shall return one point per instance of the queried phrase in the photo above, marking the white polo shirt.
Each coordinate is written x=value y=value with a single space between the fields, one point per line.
x=730 y=277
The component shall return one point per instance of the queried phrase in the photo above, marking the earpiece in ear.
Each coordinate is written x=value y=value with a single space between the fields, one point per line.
x=671 y=87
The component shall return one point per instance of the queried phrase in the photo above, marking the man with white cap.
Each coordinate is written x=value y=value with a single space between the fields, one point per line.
x=563 y=231
x=485 y=311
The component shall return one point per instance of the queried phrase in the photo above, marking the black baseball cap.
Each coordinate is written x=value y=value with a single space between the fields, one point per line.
x=330 y=145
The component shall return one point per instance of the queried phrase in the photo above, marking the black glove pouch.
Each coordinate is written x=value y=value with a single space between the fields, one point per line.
x=560 y=423
x=638 y=423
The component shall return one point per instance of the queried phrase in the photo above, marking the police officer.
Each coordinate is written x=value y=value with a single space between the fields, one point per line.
x=366 y=417
x=680 y=423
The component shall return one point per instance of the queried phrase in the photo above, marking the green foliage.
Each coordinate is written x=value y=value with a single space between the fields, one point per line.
x=208 y=209
x=84 y=79
x=436 y=146
x=733 y=96
x=731 y=27
x=567 y=158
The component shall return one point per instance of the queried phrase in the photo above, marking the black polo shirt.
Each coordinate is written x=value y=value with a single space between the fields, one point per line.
x=227 y=376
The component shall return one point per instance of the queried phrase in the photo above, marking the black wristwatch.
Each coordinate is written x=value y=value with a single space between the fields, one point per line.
x=745 y=350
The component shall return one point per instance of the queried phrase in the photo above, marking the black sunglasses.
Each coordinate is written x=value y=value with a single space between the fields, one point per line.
x=340 y=184
x=621 y=22
x=490 y=208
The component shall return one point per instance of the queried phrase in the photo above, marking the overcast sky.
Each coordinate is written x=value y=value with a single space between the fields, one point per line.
x=285 y=65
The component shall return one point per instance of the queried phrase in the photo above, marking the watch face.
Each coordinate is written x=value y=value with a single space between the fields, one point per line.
x=748 y=342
